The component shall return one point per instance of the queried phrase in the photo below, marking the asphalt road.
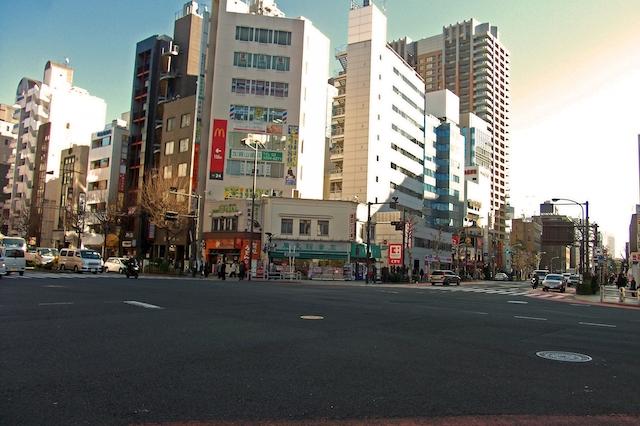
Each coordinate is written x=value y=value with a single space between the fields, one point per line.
x=73 y=352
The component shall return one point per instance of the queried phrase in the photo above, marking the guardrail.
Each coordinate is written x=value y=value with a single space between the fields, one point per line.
x=619 y=295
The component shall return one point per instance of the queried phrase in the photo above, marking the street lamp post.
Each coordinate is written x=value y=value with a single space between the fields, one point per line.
x=584 y=244
x=253 y=144
x=552 y=259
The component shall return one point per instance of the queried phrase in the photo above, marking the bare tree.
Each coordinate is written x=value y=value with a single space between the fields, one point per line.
x=106 y=216
x=157 y=200
x=20 y=220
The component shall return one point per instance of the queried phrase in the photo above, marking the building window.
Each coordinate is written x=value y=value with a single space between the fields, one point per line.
x=97 y=143
x=305 y=227
x=281 y=63
x=99 y=164
x=261 y=61
x=277 y=115
x=185 y=120
x=224 y=224
x=171 y=123
x=242 y=59
x=167 y=172
x=264 y=35
x=260 y=87
x=280 y=90
x=323 y=228
x=239 y=112
x=258 y=113
x=282 y=38
x=184 y=145
x=286 y=226
x=97 y=185
x=168 y=148
x=240 y=86
x=244 y=33
x=182 y=170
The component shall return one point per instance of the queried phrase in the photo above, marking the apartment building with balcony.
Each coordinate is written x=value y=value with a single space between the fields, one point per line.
x=7 y=156
x=52 y=115
x=106 y=183
x=167 y=94
x=265 y=96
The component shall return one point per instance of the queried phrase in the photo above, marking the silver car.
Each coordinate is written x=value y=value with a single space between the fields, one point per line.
x=555 y=282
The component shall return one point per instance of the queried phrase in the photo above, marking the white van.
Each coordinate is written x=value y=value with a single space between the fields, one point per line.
x=79 y=261
x=13 y=259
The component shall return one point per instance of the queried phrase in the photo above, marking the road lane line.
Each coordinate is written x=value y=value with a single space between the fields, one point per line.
x=518 y=302
x=142 y=304
x=480 y=313
x=530 y=318
x=595 y=324
x=579 y=304
x=55 y=303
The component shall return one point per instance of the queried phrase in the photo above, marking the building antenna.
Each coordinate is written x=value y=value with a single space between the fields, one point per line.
x=67 y=61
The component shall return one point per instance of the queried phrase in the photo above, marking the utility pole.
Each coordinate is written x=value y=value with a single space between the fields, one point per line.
x=366 y=279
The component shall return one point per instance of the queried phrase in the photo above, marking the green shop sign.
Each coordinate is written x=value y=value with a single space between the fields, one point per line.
x=242 y=154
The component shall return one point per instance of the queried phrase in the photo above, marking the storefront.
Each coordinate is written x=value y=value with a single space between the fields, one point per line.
x=231 y=247
x=322 y=259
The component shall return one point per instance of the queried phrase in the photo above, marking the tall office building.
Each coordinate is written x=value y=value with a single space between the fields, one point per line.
x=266 y=97
x=166 y=106
x=52 y=115
x=383 y=143
x=469 y=59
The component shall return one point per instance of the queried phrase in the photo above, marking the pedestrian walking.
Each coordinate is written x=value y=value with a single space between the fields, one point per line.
x=233 y=270
x=242 y=270
x=207 y=269
x=223 y=271
x=633 y=287
x=621 y=280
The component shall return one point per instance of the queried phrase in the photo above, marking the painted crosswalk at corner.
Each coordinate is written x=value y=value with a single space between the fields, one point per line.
x=504 y=291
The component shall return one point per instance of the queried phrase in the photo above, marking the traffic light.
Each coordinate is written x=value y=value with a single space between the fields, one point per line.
x=399 y=225
x=394 y=204
x=171 y=216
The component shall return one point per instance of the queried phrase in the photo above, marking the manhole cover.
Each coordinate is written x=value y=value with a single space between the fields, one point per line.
x=311 y=317
x=564 y=356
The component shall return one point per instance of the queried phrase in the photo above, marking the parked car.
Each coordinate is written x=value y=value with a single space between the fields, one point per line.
x=30 y=255
x=501 y=276
x=555 y=282
x=80 y=260
x=46 y=257
x=3 y=267
x=14 y=260
x=574 y=280
x=444 y=277
x=115 y=264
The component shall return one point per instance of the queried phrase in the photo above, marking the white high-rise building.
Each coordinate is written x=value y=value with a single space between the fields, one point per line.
x=266 y=90
x=53 y=115
x=384 y=142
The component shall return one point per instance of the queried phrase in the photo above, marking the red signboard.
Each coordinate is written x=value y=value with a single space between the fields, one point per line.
x=455 y=240
x=218 y=146
x=395 y=254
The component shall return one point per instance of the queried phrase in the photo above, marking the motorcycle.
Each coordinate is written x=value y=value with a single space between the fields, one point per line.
x=132 y=270
x=535 y=281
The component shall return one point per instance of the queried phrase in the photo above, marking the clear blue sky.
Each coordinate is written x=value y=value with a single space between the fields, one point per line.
x=575 y=69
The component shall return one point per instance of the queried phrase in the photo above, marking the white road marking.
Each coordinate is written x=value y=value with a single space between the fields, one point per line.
x=389 y=291
x=141 y=304
x=311 y=317
x=579 y=304
x=480 y=313
x=595 y=324
x=54 y=286
x=55 y=303
x=530 y=318
x=518 y=302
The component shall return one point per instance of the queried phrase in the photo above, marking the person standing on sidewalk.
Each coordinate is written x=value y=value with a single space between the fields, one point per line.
x=621 y=281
